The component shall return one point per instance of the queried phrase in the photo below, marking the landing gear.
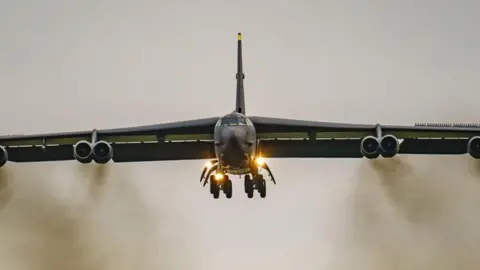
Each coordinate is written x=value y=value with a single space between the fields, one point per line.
x=224 y=184
x=249 y=187
x=227 y=188
x=214 y=187
x=261 y=187
x=257 y=183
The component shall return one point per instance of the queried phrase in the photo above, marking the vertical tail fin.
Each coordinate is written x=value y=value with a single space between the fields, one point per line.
x=240 y=102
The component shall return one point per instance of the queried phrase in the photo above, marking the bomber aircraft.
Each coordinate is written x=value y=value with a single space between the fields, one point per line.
x=237 y=144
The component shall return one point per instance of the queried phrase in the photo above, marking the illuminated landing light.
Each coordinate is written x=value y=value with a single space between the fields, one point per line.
x=260 y=161
x=209 y=164
x=219 y=176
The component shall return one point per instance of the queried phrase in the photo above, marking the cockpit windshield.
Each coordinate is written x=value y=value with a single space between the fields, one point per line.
x=233 y=120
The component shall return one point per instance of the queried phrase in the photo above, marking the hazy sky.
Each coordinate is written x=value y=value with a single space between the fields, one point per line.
x=75 y=65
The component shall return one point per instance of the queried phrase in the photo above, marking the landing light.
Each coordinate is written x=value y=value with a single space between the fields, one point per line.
x=260 y=161
x=208 y=164
x=218 y=176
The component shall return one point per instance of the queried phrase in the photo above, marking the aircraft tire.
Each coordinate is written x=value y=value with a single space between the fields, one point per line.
x=228 y=189
x=262 y=188
x=250 y=192
x=249 y=188
x=216 y=194
x=213 y=184
x=248 y=181
x=215 y=190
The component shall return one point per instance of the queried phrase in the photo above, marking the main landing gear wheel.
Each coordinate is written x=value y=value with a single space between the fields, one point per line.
x=227 y=187
x=248 y=186
x=261 y=186
x=214 y=187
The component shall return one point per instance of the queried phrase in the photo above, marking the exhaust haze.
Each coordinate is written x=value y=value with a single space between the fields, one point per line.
x=100 y=221
x=79 y=65
x=413 y=213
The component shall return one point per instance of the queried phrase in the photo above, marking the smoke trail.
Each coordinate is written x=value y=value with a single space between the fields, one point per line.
x=37 y=230
x=93 y=179
x=5 y=188
x=98 y=220
x=417 y=213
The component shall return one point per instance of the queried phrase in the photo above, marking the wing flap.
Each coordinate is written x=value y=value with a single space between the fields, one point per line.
x=310 y=149
x=135 y=152
x=434 y=146
x=38 y=154
x=350 y=148
x=125 y=152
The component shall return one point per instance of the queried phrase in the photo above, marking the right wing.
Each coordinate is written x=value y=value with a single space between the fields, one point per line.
x=289 y=138
x=183 y=140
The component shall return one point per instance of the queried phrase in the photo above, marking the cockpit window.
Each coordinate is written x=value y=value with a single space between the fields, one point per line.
x=233 y=121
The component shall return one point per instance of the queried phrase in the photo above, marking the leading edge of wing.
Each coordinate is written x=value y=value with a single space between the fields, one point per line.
x=189 y=130
x=279 y=128
x=270 y=128
x=272 y=121
x=204 y=124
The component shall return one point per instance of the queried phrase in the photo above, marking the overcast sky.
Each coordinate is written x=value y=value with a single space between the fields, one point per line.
x=76 y=65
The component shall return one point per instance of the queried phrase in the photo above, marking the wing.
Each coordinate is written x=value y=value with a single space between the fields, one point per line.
x=169 y=141
x=288 y=138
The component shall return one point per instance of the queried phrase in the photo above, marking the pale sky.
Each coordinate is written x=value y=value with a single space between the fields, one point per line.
x=76 y=65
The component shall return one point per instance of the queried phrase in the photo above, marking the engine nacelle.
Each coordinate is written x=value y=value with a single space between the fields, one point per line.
x=102 y=152
x=473 y=147
x=370 y=147
x=389 y=146
x=82 y=151
x=3 y=156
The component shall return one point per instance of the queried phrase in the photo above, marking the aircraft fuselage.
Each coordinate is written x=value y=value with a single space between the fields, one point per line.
x=235 y=143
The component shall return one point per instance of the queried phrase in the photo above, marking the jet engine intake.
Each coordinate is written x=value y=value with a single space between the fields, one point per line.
x=102 y=152
x=370 y=147
x=473 y=147
x=389 y=145
x=3 y=156
x=82 y=151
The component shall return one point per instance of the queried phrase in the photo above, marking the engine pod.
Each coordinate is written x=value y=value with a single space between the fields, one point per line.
x=369 y=147
x=82 y=151
x=389 y=145
x=473 y=147
x=3 y=156
x=102 y=152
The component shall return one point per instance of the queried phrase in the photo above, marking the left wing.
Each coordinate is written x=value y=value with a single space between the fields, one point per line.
x=288 y=138
x=183 y=140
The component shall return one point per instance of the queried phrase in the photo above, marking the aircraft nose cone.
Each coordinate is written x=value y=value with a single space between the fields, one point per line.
x=234 y=149
x=234 y=136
